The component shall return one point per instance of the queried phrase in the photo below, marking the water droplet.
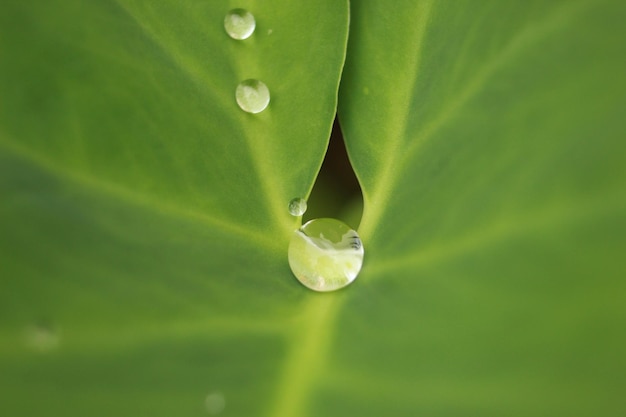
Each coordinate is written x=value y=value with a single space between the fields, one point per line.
x=297 y=206
x=215 y=402
x=41 y=337
x=252 y=95
x=239 y=24
x=325 y=254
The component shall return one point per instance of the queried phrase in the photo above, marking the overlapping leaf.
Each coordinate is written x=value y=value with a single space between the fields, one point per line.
x=489 y=140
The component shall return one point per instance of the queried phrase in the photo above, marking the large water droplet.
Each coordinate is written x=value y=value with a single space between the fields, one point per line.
x=239 y=24
x=252 y=95
x=297 y=207
x=325 y=254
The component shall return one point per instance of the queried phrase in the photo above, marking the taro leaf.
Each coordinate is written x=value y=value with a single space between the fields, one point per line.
x=488 y=137
x=143 y=215
x=143 y=224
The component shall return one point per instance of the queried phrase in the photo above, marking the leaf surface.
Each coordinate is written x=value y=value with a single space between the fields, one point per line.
x=143 y=219
x=489 y=141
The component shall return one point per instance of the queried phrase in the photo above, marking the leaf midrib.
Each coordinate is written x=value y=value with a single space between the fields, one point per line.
x=309 y=344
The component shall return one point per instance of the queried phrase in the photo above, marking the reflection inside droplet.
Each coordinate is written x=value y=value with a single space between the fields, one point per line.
x=325 y=254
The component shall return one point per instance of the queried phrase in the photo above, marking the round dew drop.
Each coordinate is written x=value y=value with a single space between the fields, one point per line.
x=41 y=338
x=239 y=24
x=252 y=96
x=297 y=207
x=215 y=403
x=325 y=254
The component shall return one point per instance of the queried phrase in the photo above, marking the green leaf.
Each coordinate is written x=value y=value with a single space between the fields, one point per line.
x=489 y=141
x=143 y=219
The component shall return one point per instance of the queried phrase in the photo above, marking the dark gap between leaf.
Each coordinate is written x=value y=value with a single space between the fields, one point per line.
x=336 y=192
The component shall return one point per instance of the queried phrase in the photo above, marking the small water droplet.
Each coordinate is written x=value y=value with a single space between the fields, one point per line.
x=252 y=95
x=239 y=24
x=325 y=254
x=41 y=337
x=297 y=207
x=215 y=403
